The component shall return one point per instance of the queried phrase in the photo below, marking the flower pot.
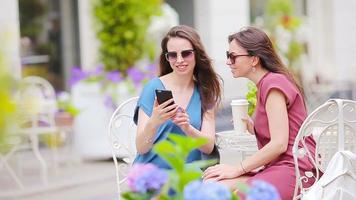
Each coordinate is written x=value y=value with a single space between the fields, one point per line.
x=64 y=119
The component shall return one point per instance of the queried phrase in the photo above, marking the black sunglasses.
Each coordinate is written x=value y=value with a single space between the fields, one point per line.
x=232 y=57
x=172 y=56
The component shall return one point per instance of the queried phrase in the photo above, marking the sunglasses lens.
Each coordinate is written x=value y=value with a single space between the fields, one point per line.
x=230 y=57
x=186 y=53
x=171 y=56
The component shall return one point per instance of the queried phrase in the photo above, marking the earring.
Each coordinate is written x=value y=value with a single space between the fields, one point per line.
x=253 y=69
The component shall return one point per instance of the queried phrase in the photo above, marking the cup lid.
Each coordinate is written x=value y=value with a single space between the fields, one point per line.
x=239 y=102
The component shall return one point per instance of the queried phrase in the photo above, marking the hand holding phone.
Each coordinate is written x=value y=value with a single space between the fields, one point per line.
x=163 y=96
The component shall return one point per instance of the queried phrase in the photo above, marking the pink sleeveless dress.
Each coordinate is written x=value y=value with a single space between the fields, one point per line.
x=280 y=172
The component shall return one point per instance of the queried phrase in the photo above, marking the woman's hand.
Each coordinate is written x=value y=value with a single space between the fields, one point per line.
x=163 y=112
x=221 y=171
x=249 y=125
x=181 y=119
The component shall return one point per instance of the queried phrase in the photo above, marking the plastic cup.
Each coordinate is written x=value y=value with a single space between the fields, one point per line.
x=239 y=111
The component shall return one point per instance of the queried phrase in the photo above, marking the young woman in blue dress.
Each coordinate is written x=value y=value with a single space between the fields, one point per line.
x=187 y=71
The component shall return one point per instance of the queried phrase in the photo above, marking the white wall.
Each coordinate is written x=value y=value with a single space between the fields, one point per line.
x=333 y=38
x=344 y=40
x=89 y=45
x=10 y=35
x=215 y=20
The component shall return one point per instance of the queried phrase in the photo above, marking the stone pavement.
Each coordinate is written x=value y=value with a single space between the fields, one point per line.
x=85 y=180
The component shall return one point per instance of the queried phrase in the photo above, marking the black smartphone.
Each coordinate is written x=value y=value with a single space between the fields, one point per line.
x=164 y=95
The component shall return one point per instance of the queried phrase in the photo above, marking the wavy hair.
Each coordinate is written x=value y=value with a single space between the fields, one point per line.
x=257 y=43
x=207 y=80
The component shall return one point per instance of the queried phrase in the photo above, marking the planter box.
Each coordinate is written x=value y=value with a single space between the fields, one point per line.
x=90 y=125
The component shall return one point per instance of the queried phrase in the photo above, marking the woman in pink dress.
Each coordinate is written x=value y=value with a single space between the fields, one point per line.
x=280 y=111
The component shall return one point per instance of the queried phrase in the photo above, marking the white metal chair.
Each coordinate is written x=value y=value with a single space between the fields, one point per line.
x=122 y=135
x=333 y=126
x=37 y=107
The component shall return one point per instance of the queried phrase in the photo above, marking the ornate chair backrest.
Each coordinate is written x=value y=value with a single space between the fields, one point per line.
x=333 y=127
x=122 y=136
x=37 y=101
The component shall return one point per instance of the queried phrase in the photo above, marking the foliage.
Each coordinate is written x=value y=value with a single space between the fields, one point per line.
x=175 y=154
x=251 y=97
x=174 y=151
x=121 y=28
x=65 y=104
x=7 y=104
x=52 y=140
x=146 y=181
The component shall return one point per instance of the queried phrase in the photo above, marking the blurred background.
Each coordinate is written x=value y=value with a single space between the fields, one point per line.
x=95 y=54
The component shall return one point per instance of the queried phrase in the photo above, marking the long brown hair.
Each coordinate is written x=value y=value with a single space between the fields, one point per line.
x=257 y=43
x=207 y=80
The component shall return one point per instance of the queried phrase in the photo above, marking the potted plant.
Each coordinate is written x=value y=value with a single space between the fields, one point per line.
x=66 y=110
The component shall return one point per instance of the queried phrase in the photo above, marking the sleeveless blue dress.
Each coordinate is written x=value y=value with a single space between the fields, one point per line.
x=193 y=109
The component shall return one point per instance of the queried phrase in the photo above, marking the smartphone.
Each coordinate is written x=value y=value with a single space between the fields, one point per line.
x=164 y=95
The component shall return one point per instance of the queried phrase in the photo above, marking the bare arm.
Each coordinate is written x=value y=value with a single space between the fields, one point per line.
x=277 y=115
x=147 y=126
x=207 y=128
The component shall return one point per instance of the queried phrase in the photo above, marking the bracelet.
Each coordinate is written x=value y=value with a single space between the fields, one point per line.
x=242 y=167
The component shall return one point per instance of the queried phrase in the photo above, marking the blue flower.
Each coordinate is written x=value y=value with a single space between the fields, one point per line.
x=262 y=190
x=146 y=177
x=198 y=190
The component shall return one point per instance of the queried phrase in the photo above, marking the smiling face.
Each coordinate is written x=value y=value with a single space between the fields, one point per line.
x=239 y=62
x=181 y=55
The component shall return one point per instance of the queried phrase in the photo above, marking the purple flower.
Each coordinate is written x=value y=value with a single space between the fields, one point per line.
x=77 y=75
x=135 y=75
x=114 y=76
x=261 y=190
x=97 y=71
x=110 y=103
x=198 y=190
x=146 y=177
x=151 y=70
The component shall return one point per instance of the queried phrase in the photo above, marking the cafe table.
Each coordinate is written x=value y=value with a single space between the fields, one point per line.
x=235 y=147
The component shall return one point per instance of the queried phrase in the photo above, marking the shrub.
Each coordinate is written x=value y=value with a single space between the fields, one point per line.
x=121 y=28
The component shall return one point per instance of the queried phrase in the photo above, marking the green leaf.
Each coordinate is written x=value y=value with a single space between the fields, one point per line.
x=242 y=187
x=136 y=196
x=199 y=164
x=167 y=150
x=186 y=145
x=234 y=196
x=251 y=97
